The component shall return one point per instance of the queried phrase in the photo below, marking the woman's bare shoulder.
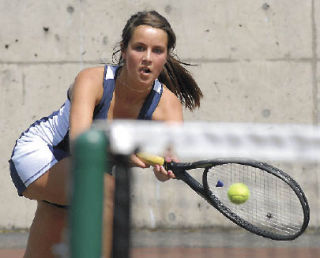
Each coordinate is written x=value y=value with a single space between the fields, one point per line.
x=88 y=79
x=170 y=107
x=91 y=73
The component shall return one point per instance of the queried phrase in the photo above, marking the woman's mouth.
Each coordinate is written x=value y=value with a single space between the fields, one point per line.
x=145 y=70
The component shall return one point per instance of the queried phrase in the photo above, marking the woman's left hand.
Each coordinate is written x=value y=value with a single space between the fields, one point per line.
x=161 y=173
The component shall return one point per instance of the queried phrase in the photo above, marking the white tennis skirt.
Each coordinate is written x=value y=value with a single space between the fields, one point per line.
x=39 y=148
x=30 y=161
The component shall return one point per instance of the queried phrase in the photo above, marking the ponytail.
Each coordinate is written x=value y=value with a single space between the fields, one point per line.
x=179 y=80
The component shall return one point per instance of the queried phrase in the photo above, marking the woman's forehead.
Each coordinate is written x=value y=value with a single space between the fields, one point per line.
x=146 y=33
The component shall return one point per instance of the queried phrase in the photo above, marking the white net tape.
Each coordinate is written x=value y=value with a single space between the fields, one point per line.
x=282 y=142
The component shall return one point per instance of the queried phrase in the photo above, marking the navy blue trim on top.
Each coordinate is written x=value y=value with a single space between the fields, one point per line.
x=101 y=110
x=150 y=104
x=43 y=119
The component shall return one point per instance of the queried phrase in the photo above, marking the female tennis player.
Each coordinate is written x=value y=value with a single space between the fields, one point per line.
x=148 y=82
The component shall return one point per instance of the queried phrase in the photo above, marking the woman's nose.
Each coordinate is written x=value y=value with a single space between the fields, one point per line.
x=147 y=56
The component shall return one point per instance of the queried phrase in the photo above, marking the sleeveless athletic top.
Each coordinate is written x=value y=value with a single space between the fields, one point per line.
x=101 y=110
x=46 y=141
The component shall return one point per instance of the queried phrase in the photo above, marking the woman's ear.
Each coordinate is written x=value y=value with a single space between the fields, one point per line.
x=123 y=55
x=123 y=52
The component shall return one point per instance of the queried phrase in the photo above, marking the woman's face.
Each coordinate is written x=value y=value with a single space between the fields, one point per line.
x=145 y=55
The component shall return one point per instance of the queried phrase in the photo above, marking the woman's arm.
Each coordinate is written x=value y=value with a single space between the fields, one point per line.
x=85 y=94
x=168 y=110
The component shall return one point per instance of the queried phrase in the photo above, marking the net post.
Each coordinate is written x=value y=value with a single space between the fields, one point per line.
x=122 y=216
x=85 y=219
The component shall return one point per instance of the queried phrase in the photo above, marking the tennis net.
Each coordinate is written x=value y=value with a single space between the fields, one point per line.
x=155 y=219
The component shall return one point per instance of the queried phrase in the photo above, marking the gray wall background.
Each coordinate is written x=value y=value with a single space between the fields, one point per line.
x=258 y=61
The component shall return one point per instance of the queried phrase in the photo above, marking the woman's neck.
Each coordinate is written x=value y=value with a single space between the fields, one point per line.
x=123 y=82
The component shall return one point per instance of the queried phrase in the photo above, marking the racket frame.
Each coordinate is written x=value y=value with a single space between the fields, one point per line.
x=180 y=171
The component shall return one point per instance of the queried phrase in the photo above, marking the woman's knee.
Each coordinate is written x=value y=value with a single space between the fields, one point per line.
x=49 y=216
x=33 y=191
x=52 y=185
x=46 y=230
x=37 y=189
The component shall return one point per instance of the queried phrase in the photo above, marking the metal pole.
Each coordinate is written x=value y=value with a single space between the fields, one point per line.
x=121 y=222
x=85 y=219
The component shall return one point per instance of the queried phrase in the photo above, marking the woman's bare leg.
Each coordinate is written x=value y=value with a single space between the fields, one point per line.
x=46 y=230
x=53 y=185
x=49 y=221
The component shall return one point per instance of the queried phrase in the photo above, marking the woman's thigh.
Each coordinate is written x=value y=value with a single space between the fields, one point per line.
x=53 y=185
x=39 y=170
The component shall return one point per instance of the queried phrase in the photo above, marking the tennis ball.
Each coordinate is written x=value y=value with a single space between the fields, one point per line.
x=238 y=193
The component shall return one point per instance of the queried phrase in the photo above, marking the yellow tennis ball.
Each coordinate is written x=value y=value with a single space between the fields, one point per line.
x=238 y=193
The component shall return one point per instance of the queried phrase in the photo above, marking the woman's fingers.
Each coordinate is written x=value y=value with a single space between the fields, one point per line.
x=136 y=162
x=162 y=174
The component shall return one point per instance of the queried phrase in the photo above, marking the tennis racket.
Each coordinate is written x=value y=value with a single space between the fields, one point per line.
x=277 y=207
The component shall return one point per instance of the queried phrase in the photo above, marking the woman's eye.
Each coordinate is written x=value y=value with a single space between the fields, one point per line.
x=158 y=51
x=139 y=48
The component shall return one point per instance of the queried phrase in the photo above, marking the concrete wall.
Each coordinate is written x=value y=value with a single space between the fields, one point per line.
x=258 y=61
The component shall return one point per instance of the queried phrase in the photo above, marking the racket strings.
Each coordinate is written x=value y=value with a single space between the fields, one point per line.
x=272 y=206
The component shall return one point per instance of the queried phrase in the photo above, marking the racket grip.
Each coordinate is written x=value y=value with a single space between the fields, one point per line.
x=150 y=159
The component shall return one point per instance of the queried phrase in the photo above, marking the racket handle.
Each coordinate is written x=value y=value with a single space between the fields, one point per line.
x=150 y=159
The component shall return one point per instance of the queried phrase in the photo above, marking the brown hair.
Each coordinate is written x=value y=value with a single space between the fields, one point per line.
x=174 y=75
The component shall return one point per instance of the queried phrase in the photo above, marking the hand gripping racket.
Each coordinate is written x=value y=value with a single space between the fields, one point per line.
x=277 y=207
